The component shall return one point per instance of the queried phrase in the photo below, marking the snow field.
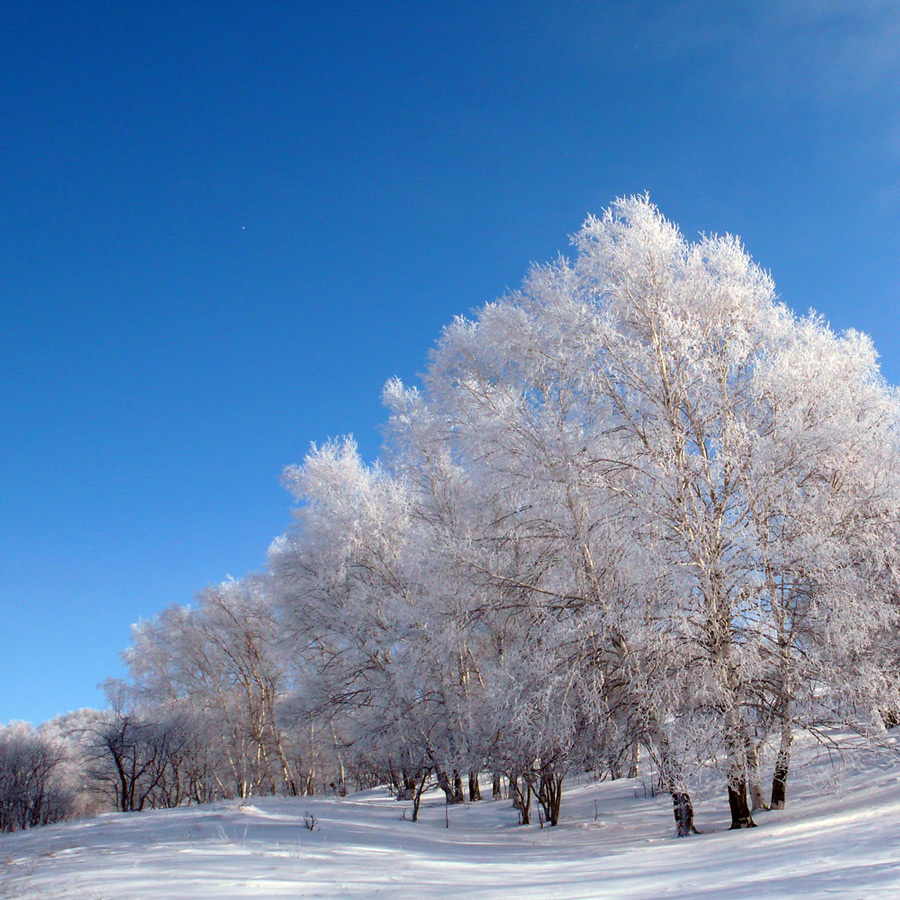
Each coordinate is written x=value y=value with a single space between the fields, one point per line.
x=613 y=842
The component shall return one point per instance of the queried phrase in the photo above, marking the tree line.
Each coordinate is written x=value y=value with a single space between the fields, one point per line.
x=638 y=510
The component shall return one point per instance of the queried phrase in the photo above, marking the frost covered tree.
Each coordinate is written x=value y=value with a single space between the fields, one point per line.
x=360 y=595
x=31 y=790
x=637 y=502
x=220 y=670
x=643 y=403
x=501 y=484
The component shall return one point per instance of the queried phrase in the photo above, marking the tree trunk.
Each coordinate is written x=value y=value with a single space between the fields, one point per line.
x=417 y=795
x=615 y=773
x=550 y=796
x=521 y=792
x=782 y=764
x=672 y=779
x=458 y=795
x=757 y=800
x=444 y=785
x=452 y=790
x=684 y=814
x=634 y=771
x=474 y=789
x=736 y=743
x=740 y=808
x=342 y=774
x=496 y=787
x=311 y=776
x=785 y=710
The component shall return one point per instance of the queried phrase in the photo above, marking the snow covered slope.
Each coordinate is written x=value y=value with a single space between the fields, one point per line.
x=613 y=842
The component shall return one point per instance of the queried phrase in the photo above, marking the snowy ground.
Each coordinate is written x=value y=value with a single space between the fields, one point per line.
x=826 y=844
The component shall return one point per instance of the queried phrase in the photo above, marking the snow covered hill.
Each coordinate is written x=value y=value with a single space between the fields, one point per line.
x=839 y=837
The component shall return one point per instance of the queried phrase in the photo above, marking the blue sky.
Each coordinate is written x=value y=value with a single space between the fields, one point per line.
x=223 y=226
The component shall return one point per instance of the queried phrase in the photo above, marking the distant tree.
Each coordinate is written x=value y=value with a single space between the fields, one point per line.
x=31 y=791
x=220 y=667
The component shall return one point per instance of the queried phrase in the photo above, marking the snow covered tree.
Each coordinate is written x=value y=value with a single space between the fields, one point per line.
x=638 y=501
x=219 y=667
x=31 y=791
x=372 y=618
x=643 y=403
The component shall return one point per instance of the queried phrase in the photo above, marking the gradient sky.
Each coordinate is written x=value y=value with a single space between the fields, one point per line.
x=223 y=226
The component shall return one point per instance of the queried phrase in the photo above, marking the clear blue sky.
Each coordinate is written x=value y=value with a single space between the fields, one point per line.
x=224 y=225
